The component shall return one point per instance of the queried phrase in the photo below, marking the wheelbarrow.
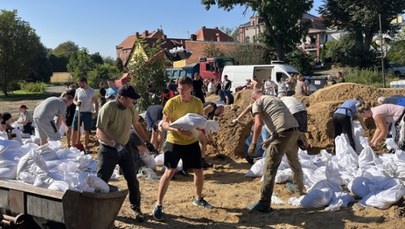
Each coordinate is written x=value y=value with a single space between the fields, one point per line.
x=21 y=202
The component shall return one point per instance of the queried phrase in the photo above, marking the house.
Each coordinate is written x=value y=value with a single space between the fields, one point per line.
x=125 y=48
x=312 y=43
x=197 y=43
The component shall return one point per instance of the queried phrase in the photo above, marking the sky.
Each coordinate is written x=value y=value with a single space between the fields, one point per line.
x=100 y=25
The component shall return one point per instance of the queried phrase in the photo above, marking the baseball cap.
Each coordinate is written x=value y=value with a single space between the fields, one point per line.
x=128 y=91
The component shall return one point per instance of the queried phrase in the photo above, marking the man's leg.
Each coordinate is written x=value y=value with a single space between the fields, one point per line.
x=198 y=182
x=291 y=148
x=164 y=184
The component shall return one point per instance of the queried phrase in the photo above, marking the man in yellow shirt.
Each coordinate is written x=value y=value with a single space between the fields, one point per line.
x=181 y=144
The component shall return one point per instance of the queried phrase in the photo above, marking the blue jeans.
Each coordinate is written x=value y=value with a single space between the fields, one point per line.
x=109 y=157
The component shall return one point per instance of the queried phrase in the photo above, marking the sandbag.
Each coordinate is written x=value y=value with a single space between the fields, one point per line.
x=148 y=160
x=384 y=199
x=257 y=169
x=360 y=186
x=317 y=198
x=189 y=122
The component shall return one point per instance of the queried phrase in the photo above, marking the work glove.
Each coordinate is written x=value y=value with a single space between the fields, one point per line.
x=252 y=149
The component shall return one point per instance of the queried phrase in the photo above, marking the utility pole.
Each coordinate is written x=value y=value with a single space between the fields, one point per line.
x=382 y=51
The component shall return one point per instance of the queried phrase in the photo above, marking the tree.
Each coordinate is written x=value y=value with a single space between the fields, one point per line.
x=60 y=56
x=97 y=58
x=102 y=72
x=41 y=69
x=397 y=52
x=80 y=64
x=360 y=18
x=18 y=43
x=213 y=50
x=282 y=19
x=148 y=74
x=251 y=54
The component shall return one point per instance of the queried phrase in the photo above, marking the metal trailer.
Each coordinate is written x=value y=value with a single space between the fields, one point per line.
x=23 y=205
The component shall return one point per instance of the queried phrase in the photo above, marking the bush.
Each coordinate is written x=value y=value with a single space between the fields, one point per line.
x=365 y=76
x=38 y=87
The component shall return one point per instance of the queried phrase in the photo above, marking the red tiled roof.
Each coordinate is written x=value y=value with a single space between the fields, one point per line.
x=209 y=34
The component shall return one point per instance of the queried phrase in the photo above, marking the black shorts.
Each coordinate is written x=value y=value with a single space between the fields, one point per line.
x=190 y=154
x=302 y=119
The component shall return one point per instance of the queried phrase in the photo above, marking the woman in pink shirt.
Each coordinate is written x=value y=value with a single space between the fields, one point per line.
x=384 y=115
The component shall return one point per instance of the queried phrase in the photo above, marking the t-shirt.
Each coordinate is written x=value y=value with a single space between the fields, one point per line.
x=116 y=122
x=348 y=108
x=153 y=115
x=175 y=108
x=390 y=112
x=86 y=97
x=293 y=104
x=49 y=108
x=25 y=116
x=275 y=113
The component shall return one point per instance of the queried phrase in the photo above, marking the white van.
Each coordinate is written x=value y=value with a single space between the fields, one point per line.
x=239 y=74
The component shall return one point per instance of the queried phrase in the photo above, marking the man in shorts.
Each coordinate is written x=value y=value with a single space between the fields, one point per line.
x=44 y=115
x=86 y=99
x=181 y=144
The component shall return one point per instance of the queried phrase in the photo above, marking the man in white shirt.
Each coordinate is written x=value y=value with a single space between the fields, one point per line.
x=84 y=99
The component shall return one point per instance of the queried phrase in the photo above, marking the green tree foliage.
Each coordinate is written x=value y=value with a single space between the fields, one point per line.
x=397 y=52
x=282 y=19
x=301 y=61
x=80 y=64
x=234 y=33
x=97 y=58
x=119 y=64
x=213 y=50
x=347 y=51
x=18 y=46
x=360 y=18
x=60 y=56
x=41 y=68
x=148 y=76
x=102 y=72
x=251 y=54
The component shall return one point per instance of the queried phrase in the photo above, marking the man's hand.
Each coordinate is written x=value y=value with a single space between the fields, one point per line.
x=252 y=149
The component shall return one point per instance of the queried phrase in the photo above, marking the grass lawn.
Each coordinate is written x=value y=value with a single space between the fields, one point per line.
x=24 y=95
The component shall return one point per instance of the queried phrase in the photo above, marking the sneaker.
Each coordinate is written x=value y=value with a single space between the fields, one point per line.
x=157 y=213
x=139 y=217
x=202 y=203
x=259 y=207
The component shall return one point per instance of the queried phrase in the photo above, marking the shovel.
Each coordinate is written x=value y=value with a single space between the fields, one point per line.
x=78 y=145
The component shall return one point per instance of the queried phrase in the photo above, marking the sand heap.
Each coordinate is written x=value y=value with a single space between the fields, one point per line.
x=320 y=106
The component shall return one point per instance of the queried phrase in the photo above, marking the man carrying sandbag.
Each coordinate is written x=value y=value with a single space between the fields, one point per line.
x=181 y=144
x=273 y=113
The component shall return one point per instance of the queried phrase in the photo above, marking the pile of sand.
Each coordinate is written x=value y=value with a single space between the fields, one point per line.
x=320 y=106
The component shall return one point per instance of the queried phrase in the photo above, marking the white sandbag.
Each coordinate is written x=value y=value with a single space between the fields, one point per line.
x=317 y=198
x=384 y=199
x=147 y=173
x=97 y=183
x=257 y=169
x=360 y=186
x=400 y=154
x=366 y=157
x=148 y=160
x=8 y=172
x=3 y=136
x=30 y=166
x=283 y=176
x=58 y=186
x=159 y=159
x=8 y=144
x=211 y=126
x=189 y=121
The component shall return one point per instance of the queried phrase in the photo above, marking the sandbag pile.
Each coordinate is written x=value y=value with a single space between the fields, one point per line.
x=379 y=180
x=49 y=166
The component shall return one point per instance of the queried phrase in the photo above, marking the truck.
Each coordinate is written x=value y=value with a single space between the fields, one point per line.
x=277 y=71
x=208 y=67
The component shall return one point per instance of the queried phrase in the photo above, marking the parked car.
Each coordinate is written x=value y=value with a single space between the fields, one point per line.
x=397 y=69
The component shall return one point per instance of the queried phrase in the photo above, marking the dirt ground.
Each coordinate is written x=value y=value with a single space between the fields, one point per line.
x=229 y=191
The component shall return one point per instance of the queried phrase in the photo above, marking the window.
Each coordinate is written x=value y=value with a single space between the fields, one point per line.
x=247 y=39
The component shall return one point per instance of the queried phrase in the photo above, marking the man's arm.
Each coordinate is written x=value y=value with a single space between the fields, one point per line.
x=103 y=137
x=95 y=101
